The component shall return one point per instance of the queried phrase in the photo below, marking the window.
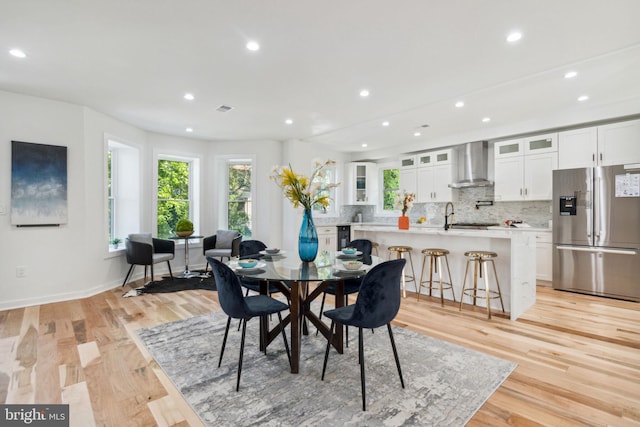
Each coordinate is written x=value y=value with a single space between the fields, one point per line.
x=239 y=196
x=329 y=176
x=174 y=195
x=390 y=178
x=122 y=164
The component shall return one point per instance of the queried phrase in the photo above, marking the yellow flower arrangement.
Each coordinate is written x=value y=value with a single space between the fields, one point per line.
x=303 y=191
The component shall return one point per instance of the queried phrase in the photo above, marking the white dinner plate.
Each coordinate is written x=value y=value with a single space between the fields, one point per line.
x=342 y=269
x=249 y=270
x=268 y=254
x=345 y=256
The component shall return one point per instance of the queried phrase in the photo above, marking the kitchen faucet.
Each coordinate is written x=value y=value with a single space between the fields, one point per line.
x=446 y=217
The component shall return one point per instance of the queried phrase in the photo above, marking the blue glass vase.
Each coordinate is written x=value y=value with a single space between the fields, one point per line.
x=308 y=238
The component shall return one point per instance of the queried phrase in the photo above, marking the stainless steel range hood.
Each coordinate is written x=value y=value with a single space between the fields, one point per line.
x=475 y=166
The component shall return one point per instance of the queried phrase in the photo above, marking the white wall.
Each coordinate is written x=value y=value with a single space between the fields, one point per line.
x=72 y=261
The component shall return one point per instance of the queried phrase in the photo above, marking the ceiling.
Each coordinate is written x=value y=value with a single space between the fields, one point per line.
x=134 y=60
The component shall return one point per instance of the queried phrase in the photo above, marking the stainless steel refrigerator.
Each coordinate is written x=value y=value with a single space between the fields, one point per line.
x=596 y=231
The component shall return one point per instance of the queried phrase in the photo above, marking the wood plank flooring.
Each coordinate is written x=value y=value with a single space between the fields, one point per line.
x=578 y=357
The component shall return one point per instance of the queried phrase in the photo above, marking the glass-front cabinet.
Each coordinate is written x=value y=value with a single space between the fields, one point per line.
x=361 y=183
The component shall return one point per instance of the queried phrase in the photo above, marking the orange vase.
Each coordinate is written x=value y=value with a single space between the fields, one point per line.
x=403 y=222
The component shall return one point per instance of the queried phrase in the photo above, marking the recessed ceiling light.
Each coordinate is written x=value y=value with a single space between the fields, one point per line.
x=189 y=130
x=570 y=74
x=189 y=96
x=486 y=119
x=385 y=124
x=460 y=104
x=514 y=36
x=583 y=98
x=364 y=145
x=364 y=93
x=253 y=46
x=289 y=121
x=18 y=53
x=417 y=134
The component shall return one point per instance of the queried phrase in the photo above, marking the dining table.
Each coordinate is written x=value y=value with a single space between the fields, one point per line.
x=302 y=282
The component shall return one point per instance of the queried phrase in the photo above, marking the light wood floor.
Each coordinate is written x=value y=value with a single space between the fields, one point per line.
x=578 y=357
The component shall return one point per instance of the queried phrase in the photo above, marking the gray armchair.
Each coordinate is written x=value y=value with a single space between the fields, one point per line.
x=142 y=249
x=225 y=243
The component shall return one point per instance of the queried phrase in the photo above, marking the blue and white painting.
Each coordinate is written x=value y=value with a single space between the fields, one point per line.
x=38 y=184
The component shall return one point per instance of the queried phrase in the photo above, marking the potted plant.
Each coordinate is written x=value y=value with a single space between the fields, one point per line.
x=116 y=242
x=184 y=228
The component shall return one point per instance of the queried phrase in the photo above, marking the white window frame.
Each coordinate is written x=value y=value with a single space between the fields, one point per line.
x=223 y=195
x=194 y=162
x=380 y=211
x=333 y=208
x=125 y=168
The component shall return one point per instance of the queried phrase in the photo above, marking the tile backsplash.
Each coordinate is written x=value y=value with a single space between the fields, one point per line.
x=535 y=213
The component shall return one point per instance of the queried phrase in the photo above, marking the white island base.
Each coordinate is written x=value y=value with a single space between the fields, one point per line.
x=515 y=264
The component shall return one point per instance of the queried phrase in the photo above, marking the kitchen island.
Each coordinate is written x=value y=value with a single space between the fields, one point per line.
x=515 y=264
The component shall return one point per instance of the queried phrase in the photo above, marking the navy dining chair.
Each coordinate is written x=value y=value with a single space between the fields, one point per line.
x=351 y=285
x=377 y=304
x=237 y=306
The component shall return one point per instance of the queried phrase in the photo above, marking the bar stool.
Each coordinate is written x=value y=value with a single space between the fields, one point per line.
x=375 y=246
x=399 y=250
x=436 y=255
x=480 y=259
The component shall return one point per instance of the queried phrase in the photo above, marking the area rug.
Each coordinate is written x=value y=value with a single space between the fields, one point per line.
x=445 y=383
x=167 y=285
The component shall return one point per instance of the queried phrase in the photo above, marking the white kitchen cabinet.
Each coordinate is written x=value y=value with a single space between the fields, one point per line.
x=544 y=256
x=613 y=144
x=619 y=143
x=434 y=174
x=577 y=148
x=408 y=162
x=523 y=168
x=361 y=183
x=408 y=180
x=327 y=238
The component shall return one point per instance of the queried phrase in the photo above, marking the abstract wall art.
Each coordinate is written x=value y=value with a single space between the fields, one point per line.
x=38 y=184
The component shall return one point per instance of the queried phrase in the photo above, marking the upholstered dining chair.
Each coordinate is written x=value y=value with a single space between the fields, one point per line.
x=351 y=285
x=377 y=304
x=143 y=249
x=223 y=244
x=251 y=249
x=245 y=308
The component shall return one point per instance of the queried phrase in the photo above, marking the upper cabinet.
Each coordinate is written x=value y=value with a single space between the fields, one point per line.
x=434 y=174
x=361 y=183
x=523 y=168
x=613 y=144
x=408 y=177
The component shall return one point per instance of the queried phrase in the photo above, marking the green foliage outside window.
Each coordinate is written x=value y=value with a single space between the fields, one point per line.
x=173 y=195
x=390 y=184
x=239 y=203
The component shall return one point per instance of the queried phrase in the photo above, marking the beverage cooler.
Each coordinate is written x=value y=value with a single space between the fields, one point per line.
x=596 y=231
x=344 y=236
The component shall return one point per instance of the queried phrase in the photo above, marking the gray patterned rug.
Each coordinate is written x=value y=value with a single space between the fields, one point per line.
x=445 y=384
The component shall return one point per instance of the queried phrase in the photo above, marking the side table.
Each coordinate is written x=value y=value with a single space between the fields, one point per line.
x=186 y=274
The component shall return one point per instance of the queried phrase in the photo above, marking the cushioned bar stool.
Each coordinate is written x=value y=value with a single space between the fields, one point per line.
x=399 y=250
x=480 y=260
x=435 y=264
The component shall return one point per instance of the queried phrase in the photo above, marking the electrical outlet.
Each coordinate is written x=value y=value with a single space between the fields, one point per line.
x=21 y=271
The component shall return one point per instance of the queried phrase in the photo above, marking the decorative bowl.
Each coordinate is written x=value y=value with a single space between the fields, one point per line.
x=248 y=263
x=272 y=251
x=349 y=251
x=352 y=265
x=184 y=233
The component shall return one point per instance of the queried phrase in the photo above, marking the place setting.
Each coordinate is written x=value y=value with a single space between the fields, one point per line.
x=273 y=254
x=349 y=253
x=248 y=266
